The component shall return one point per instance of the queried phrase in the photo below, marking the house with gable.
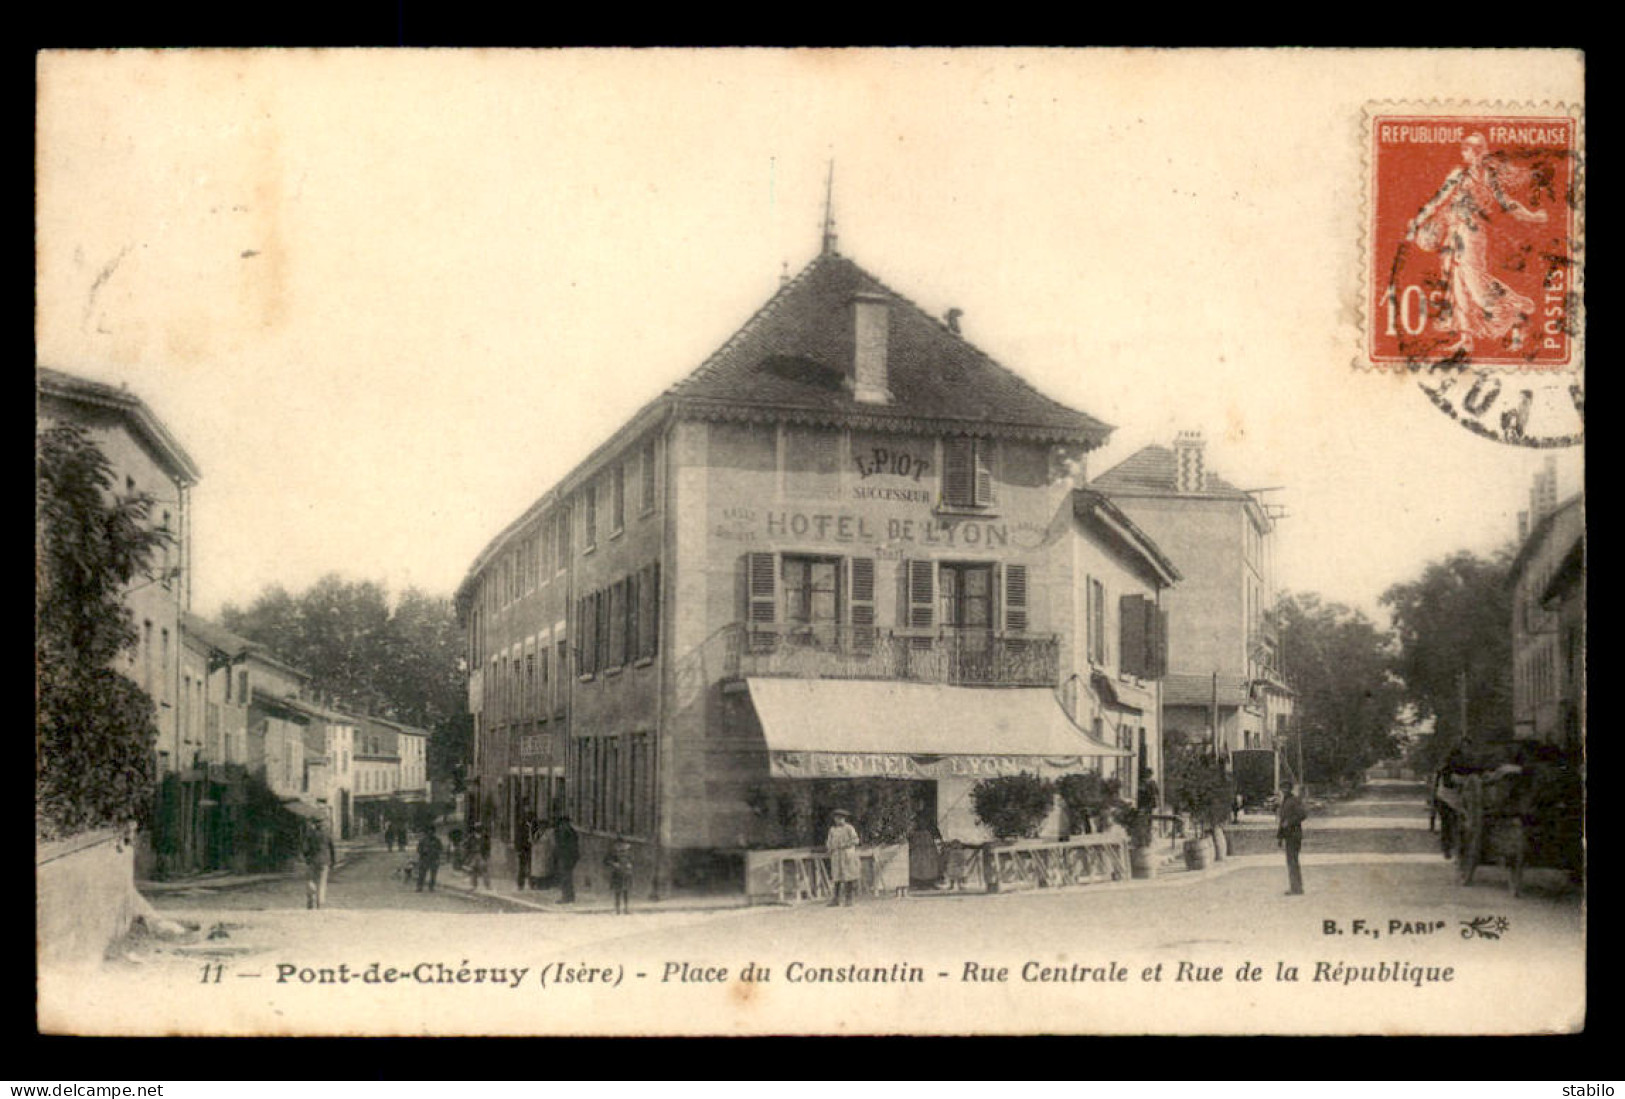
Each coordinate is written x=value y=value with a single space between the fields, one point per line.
x=1224 y=685
x=849 y=547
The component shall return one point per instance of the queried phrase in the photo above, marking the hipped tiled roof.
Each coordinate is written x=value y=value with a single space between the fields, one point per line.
x=1151 y=471
x=63 y=386
x=795 y=355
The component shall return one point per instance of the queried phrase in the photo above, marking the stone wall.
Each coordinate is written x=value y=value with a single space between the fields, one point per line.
x=85 y=897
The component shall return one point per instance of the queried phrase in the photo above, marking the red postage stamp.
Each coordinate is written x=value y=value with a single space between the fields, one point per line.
x=1472 y=250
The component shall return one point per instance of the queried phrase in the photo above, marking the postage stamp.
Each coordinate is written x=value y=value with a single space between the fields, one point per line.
x=1474 y=257
x=1473 y=245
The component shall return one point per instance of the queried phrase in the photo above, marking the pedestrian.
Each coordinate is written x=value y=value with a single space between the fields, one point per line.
x=566 y=853
x=319 y=859
x=429 y=851
x=522 y=846
x=1289 y=834
x=543 y=858
x=842 y=843
x=619 y=864
x=925 y=854
x=477 y=856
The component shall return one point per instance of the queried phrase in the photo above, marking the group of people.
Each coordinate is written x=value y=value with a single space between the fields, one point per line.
x=552 y=848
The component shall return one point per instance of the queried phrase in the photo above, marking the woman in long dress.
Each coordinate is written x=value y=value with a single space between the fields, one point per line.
x=1456 y=223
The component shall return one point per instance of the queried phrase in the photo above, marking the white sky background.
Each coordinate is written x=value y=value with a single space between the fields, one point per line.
x=472 y=266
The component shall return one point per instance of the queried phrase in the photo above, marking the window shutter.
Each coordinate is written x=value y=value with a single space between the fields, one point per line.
x=982 y=452
x=1015 y=597
x=958 y=476
x=651 y=613
x=761 y=588
x=1157 y=621
x=1132 y=622
x=920 y=591
x=861 y=603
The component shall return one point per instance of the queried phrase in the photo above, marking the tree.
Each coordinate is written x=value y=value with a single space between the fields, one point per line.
x=403 y=662
x=1455 y=620
x=94 y=763
x=1349 y=703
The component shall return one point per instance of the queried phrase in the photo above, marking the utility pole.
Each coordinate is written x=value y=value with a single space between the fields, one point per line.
x=1213 y=716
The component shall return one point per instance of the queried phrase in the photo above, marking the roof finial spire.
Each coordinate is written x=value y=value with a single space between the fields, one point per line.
x=829 y=210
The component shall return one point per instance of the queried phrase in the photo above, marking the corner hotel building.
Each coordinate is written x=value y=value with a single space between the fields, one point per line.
x=848 y=545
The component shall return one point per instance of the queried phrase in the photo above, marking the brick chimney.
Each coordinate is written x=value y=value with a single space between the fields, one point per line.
x=1190 y=469
x=1523 y=526
x=871 y=323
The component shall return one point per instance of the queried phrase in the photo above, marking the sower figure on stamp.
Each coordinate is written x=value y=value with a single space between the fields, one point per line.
x=1456 y=224
x=842 y=843
x=319 y=859
x=429 y=849
x=1289 y=834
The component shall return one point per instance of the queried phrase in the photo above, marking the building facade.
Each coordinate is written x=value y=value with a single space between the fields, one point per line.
x=1225 y=685
x=1548 y=622
x=848 y=548
x=145 y=458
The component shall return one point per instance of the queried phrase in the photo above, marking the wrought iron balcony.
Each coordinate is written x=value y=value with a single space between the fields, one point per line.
x=958 y=657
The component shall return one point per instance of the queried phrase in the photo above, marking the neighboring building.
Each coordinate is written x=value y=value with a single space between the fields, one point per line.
x=201 y=805
x=1223 y=644
x=412 y=745
x=1548 y=621
x=145 y=458
x=849 y=545
x=390 y=766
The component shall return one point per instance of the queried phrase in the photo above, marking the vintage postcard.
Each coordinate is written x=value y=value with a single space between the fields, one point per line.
x=827 y=542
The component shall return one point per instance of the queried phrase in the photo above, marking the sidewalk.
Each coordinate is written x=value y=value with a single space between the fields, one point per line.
x=593 y=901
x=217 y=880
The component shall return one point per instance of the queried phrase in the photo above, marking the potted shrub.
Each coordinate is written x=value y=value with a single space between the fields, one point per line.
x=1138 y=820
x=1089 y=800
x=1202 y=790
x=1011 y=807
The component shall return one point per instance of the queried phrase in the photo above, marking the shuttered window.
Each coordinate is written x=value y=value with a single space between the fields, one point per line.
x=648 y=470
x=919 y=595
x=967 y=472
x=1015 y=597
x=1133 y=643
x=861 y=584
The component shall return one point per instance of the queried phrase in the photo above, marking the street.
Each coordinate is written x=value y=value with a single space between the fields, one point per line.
x=1384 y=941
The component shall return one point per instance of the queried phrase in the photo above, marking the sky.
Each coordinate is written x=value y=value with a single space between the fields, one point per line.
x=385 y=299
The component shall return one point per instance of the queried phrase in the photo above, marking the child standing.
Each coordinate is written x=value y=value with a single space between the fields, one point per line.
x=619 y=864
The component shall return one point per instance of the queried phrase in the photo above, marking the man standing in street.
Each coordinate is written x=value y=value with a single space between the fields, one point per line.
x=1289 y=834
x=429 y=850
x=566 y=853
x=522 y=845
x=842 y=843
x=319 y=859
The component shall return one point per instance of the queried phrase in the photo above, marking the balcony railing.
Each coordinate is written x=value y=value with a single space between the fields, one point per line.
x=961 y=658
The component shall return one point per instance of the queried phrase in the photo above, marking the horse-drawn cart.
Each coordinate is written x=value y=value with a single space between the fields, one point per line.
x=1523 y=814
